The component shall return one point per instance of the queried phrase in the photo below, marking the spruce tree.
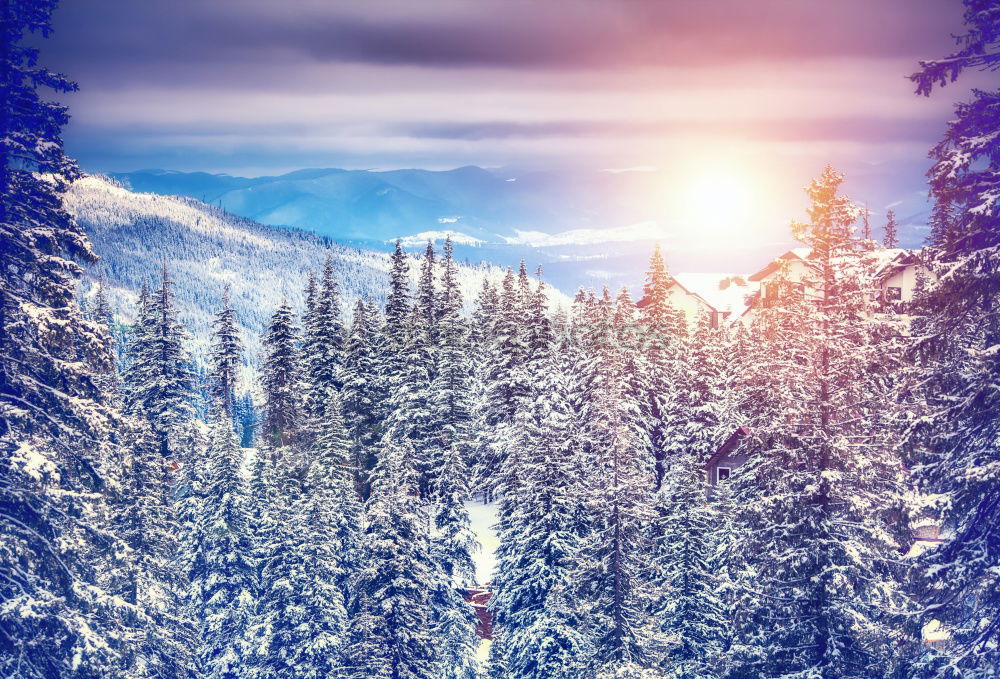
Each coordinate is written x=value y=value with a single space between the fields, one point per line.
x=663 y=331
x=891 y=237
x=396 y=582
x=159 y=380
x=226 y=356
x=451 y=410
x=280 y=379
x=54 y=421
x=425 y=301
x=323 y=347
x=505 y=385
x=954 y=443
x=397 y=305
x=453 y=546
x=223 y=583
x=817 y=506
x=149 y=577
x=363 y=396
x=614 y=584
x=303 y=610
x=538 y=632
x=689 y=610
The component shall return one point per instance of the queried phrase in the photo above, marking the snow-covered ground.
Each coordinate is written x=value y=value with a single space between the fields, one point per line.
x=483 y=518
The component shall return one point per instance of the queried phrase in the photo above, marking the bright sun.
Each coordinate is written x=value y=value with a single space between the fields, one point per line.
x=716 y=204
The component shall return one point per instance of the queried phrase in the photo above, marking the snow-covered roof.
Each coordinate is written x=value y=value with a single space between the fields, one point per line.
x=888 y=260
x=794 y=253
x=722 y=291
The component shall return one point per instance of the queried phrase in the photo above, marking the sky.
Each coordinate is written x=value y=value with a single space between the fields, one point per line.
x=752 y=95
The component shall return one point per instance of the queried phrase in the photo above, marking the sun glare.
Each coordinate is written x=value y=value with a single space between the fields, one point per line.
x=713 y=205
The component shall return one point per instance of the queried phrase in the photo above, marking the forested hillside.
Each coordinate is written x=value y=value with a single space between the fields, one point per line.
x=205 y=249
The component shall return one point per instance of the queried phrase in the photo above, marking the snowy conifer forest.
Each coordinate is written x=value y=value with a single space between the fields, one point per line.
x=229 y=451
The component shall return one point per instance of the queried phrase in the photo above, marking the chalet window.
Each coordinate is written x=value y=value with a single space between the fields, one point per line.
x=722 y=474
x=894 y=294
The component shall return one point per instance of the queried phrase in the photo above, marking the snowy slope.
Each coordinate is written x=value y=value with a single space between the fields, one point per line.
x=206 y=248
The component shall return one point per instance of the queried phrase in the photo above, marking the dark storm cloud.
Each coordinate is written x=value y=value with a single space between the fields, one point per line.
x=187 y=35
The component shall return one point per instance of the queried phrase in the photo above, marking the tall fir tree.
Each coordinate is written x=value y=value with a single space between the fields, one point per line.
x=304 y=615
x=280 y=379
x=397 y=304
x=614 y=583
x=149 y=576
x=689 y=610
x=396 y=581
x=55 y=619
x=323 y=347
x=955 y=442
x=537 y=631
x=890 y=239
x=226 y=356
x=223 y=582
x=159 y=379
x=453 y=547
x=426 y=302
x=449 y=404
x=818 y=504
x=505 y=385
x=664 y=332
x=363 y=395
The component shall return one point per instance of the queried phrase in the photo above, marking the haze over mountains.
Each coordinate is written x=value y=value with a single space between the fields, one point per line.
x=585 y=227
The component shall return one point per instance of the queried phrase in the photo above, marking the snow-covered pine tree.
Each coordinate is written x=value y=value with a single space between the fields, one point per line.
x=54 y=617
x=323 y=348
x=451 y=411
x=504 y=385
x=425 y=302
x=227 y=357
x=149 y=576
x=409 y=416
x=614 y=584
x=538 y=633
x=689 y=612
x=159 y=381
x=397 y=304
x=304 y=616
x=363 y=396
x=700 y=390
x=397 y=579
x=223 y=583
x=817 y=507
x=538 y=334
x=107 y=375
x=483 y=317
x=957 y=442
x=453 y=545
x=367 y=654
x=280 y=379
x=890 y=239
x=664 y=330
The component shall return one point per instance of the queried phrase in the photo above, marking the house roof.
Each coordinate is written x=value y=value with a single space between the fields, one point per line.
x=726 y=292
x=892 y=260
x=728 y=445
x=795 y=253
x=673 y=281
